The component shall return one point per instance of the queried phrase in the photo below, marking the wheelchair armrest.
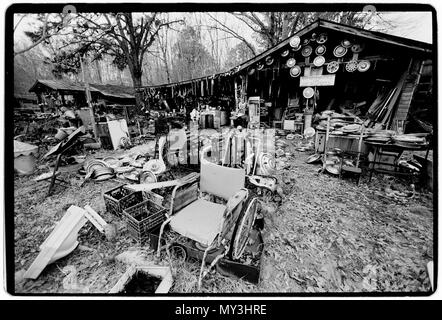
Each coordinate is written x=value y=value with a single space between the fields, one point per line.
x=183 y=193
x=235 y=200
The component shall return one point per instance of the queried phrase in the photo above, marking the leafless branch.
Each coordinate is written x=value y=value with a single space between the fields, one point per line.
x=45 y=35
x=228 y=30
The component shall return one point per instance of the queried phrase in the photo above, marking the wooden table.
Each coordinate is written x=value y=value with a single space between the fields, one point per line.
x=382 y=149
x=347 y=142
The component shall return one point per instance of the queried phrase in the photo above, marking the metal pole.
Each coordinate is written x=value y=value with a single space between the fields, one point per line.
x=88 y=100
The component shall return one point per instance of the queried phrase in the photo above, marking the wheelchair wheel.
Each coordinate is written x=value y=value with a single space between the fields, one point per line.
x=178 y=252
x=243 y=226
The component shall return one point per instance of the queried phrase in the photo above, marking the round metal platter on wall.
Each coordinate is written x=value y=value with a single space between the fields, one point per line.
x=314 y=37
x=295 y=41
x=290 y=62
x=363 y=65
x=339 y=51
x=319 y=61
x=332 y=67
x=269 y=60
x=346 y=43
x=308 y=92
x=322 y=38
x=260 y=66
x=295 y=71
x=356 y=48
x=351 y=66
x=285 y=53
x=320 y=50
x=307 y=51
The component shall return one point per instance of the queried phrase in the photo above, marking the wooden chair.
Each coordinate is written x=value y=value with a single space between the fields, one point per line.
x=211 y=225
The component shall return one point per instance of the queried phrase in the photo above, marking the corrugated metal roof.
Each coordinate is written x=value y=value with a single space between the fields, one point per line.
x=58 y=85
x=106 y=90
x=111 y=90
x=418 y=46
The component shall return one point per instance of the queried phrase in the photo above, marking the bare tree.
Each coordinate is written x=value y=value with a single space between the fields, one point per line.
x=163 y=43
x=273 y=27
x=50 y=25
x=225 y=28
x=126 y=37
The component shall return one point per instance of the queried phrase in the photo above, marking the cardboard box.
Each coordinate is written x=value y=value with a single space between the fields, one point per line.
x=289 y=125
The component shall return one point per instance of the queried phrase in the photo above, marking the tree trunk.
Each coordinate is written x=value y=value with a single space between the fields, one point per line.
x=137 y=73
x=97 y=66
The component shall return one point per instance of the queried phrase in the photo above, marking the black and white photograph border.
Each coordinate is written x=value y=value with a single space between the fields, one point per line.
x=211 y=149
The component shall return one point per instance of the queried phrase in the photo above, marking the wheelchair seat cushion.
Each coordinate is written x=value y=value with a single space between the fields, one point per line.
x=200 y=221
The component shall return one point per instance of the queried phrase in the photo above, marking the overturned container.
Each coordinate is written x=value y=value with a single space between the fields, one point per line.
x=24 y=157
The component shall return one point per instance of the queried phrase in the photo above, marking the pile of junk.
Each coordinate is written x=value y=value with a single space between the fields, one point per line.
x=214 y=214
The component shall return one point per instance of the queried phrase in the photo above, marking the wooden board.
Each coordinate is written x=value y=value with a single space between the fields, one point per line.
x=64 y=231
x=317 y=81
x=117 y=130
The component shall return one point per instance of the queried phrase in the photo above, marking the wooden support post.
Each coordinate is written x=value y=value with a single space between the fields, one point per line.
x=88 y=100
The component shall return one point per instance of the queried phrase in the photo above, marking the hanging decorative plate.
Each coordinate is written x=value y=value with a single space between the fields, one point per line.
x=346 y=43
x=306 y=42
x=260 y=66
x=297 y=48
x=295 y=71
x=306 y=51
x=314 y=37
x=322 y=38
x=332 y=67
x=363 y=65
x=308 y=92
x=285 y=53
x=295 y=41
x=269 y=60
x=251 y=71
x=320 y=50
x=290 y=62
x=356 y=48
x=319 y=61
x=339 y=51
x=351 y=66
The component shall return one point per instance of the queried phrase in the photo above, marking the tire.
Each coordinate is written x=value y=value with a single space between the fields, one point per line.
x=243 y=227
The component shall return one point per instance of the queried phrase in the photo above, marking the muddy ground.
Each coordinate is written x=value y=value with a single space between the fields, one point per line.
x=329 y=235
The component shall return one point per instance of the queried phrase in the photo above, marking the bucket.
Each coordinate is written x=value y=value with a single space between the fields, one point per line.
x=61 y=134
x=24 y=158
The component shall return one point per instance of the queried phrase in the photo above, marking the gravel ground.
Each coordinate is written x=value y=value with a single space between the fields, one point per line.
x=329 y=235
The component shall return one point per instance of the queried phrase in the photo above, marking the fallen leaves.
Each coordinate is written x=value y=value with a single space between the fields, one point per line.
x=328 y=235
